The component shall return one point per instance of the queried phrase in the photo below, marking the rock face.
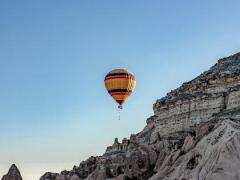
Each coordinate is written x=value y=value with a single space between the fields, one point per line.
x=194 y=134
x=198 y=100
x=13 y=174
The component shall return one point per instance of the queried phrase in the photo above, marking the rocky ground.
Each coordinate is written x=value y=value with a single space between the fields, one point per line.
x=202 y=141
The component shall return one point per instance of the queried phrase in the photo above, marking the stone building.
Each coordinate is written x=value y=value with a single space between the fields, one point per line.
x=118 y=147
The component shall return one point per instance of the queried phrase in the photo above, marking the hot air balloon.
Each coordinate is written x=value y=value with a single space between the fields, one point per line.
x=120 y=83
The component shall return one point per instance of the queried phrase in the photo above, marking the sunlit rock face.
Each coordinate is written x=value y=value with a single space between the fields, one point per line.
x=13 y=174
x=198 y=100
x=194 y=134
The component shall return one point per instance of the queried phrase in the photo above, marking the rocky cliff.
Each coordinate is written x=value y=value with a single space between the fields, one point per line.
x=13 y=174
x=194 y=134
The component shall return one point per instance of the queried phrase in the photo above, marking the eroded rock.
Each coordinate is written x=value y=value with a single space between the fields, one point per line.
x=13 y=174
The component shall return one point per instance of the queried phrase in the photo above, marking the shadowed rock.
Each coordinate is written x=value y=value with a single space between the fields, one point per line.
x=13 y=174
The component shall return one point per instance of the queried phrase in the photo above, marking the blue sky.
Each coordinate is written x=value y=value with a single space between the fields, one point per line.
x=55 y=54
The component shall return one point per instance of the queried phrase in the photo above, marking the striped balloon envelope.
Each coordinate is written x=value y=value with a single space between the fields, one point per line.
x=120 y=83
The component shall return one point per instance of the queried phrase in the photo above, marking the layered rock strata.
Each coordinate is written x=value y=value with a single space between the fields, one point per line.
x=198 y=100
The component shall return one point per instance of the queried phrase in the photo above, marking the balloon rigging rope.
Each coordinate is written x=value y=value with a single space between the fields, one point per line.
x=119 y=114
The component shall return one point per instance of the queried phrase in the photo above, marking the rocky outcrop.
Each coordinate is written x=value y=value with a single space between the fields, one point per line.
x=194 y=134
x=13 y=174
x=118 y=147
x=198 y=100
x=214 y=156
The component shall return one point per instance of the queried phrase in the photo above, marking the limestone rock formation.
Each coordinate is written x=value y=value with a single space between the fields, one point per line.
x=13 y=174
x=194 y=134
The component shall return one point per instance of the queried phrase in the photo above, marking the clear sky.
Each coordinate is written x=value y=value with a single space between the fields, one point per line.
x=54 y=55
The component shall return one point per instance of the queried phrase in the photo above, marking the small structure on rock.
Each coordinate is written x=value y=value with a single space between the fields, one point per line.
x=118 y=147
